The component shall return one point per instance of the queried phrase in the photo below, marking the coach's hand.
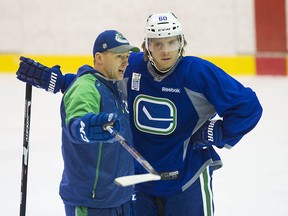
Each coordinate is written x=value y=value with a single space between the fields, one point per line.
x=91 y=127
x=40 y=76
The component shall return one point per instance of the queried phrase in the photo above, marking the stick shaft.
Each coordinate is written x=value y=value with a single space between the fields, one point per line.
x=131 y=150
x=25 y=156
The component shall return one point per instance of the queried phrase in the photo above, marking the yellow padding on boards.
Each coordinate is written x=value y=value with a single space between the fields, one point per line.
x=234 y=65
x=71 y=63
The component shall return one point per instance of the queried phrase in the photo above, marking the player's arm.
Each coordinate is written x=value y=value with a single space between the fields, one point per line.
x=40 y=76
x=238 y=107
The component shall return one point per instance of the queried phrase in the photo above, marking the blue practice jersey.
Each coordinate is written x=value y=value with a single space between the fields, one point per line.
x=165 y=111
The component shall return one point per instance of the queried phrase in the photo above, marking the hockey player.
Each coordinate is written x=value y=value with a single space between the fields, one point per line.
x=172 y=99
x=92 y=158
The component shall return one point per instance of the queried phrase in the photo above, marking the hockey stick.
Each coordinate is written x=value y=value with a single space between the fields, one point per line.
x=133 y=179
x=27 y=117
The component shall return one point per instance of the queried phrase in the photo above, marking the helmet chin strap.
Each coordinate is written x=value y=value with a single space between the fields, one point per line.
x=154 y=64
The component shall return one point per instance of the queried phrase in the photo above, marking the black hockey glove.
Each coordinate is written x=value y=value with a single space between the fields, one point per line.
x=39 y=75
x=208 y=134
x=90 y=127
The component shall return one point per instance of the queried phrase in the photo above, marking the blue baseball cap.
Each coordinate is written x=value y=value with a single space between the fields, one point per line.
x=113 y=41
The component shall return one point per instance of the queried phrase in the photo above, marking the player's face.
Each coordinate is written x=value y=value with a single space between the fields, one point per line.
x=114 y=64
x=164 y=51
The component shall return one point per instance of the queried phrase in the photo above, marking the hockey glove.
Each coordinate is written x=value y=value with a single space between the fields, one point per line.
x=208 y=134
x=91 y=127
x=39 y=75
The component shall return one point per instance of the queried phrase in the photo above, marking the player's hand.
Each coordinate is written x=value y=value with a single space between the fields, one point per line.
x=208 y=134
x=91 y=127
x=39 y=75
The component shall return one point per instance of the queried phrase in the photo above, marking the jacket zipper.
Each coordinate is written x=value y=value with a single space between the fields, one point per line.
x=97 y=169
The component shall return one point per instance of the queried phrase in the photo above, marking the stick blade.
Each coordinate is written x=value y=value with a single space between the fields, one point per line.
x=125 y=181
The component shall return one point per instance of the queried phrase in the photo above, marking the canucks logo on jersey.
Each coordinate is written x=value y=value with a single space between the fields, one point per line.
x=154 y=115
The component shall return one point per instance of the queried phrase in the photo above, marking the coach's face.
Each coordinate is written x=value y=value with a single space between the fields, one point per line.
x=112 y=65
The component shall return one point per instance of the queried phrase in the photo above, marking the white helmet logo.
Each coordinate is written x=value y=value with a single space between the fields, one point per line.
x=161 y=18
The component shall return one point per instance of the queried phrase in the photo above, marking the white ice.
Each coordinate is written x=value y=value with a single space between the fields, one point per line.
x=253 y=180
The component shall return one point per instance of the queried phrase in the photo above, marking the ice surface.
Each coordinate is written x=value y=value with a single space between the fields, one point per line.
x=253 y=180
